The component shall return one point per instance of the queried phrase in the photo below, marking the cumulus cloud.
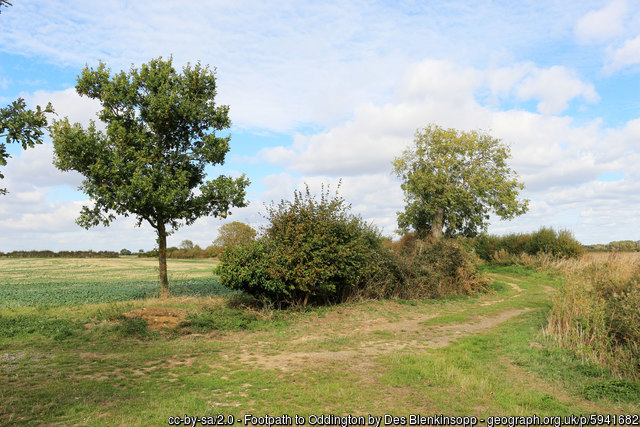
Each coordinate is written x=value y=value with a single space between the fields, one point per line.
x=34 y=167
x=554 y=88
x=626 y=55
x=553 y=155
x=286 y=65
x=602 y=25
x=67 y=103
x=502 y=80
x=440 y=92
x=367 y=75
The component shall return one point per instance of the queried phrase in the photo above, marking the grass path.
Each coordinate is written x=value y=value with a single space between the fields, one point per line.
x=482 y=356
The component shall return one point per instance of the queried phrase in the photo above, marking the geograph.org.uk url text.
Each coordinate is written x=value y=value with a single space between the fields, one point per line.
x=411 y=420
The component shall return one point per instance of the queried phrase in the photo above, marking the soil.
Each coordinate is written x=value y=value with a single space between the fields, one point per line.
x=361 y=352
x=160 y=317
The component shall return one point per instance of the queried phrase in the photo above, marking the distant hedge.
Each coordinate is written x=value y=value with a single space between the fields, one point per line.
x=196 y=252
x=559 y=244
x=617 y=245
x=61 y=254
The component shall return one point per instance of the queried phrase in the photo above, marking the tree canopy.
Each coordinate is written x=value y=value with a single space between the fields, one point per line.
x=453 y=179
x=20 y=125
x=150 y=161
x=234 y=234
x=186 y=244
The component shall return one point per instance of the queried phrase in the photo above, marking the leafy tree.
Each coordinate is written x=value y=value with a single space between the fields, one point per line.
x=452 y=180
x=20 y=125
x=234 y=234
x=186 y=244
x=160 y=134
x=125 y=252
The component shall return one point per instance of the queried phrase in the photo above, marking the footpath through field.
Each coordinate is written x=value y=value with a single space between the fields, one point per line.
x=484 y=356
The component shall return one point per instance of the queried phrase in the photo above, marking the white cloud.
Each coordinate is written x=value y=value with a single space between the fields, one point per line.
x=438 y=91
x=67 y=103
x=433 y=91
x=602 y=25
x=339 y=67
x=503 y=80
x=554 y=88
x=284 y=65
x=625 y=56
x=441 y=79
x=57 y=217
x=34 y=167
x=556 y=158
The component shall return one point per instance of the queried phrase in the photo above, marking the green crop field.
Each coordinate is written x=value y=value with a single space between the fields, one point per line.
x=79 y=346
x=55 y=282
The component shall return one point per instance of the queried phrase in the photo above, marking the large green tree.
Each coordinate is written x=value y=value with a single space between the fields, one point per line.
x=234 y=234
x=18 y=124
x=452 y=180
x=150 y=161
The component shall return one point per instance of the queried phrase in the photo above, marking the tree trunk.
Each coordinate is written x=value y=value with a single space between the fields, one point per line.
x=162 y=260
x=437 y=225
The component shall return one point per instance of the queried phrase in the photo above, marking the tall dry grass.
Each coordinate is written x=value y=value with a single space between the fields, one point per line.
x=597 y=311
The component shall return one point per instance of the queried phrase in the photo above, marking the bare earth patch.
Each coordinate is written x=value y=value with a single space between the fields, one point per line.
x=504 y=276
x=360 y=353
x=160 y=317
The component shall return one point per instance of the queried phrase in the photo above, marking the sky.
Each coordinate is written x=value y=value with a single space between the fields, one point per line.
x=327 y=91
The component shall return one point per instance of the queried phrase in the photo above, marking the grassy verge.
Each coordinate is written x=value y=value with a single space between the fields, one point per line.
x=113 y=364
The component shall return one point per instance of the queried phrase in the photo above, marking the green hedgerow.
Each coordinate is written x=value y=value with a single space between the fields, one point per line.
x=312 y=251
x=557 y=244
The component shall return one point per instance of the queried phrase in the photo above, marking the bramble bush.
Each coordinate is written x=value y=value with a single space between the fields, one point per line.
x=316 y=251
x=313 y=251
x=446 y=267
x=432 y=268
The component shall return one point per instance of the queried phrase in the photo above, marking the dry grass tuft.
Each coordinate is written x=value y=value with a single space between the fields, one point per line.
x=596 y=312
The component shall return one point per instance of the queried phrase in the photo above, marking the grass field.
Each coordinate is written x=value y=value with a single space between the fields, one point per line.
x=132 y=361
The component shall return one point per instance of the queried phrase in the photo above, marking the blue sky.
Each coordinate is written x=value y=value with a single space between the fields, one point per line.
x=323 y=91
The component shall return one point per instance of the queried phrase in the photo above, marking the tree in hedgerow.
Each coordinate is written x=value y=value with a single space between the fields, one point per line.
x=234 y=234
x=150 y=162
x=186 y=244
x=452 y=180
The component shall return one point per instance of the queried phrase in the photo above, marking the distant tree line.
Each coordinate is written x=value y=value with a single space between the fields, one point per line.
x=230 y=235
x=196 y=252
x=61 y=254
x=618 y=245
